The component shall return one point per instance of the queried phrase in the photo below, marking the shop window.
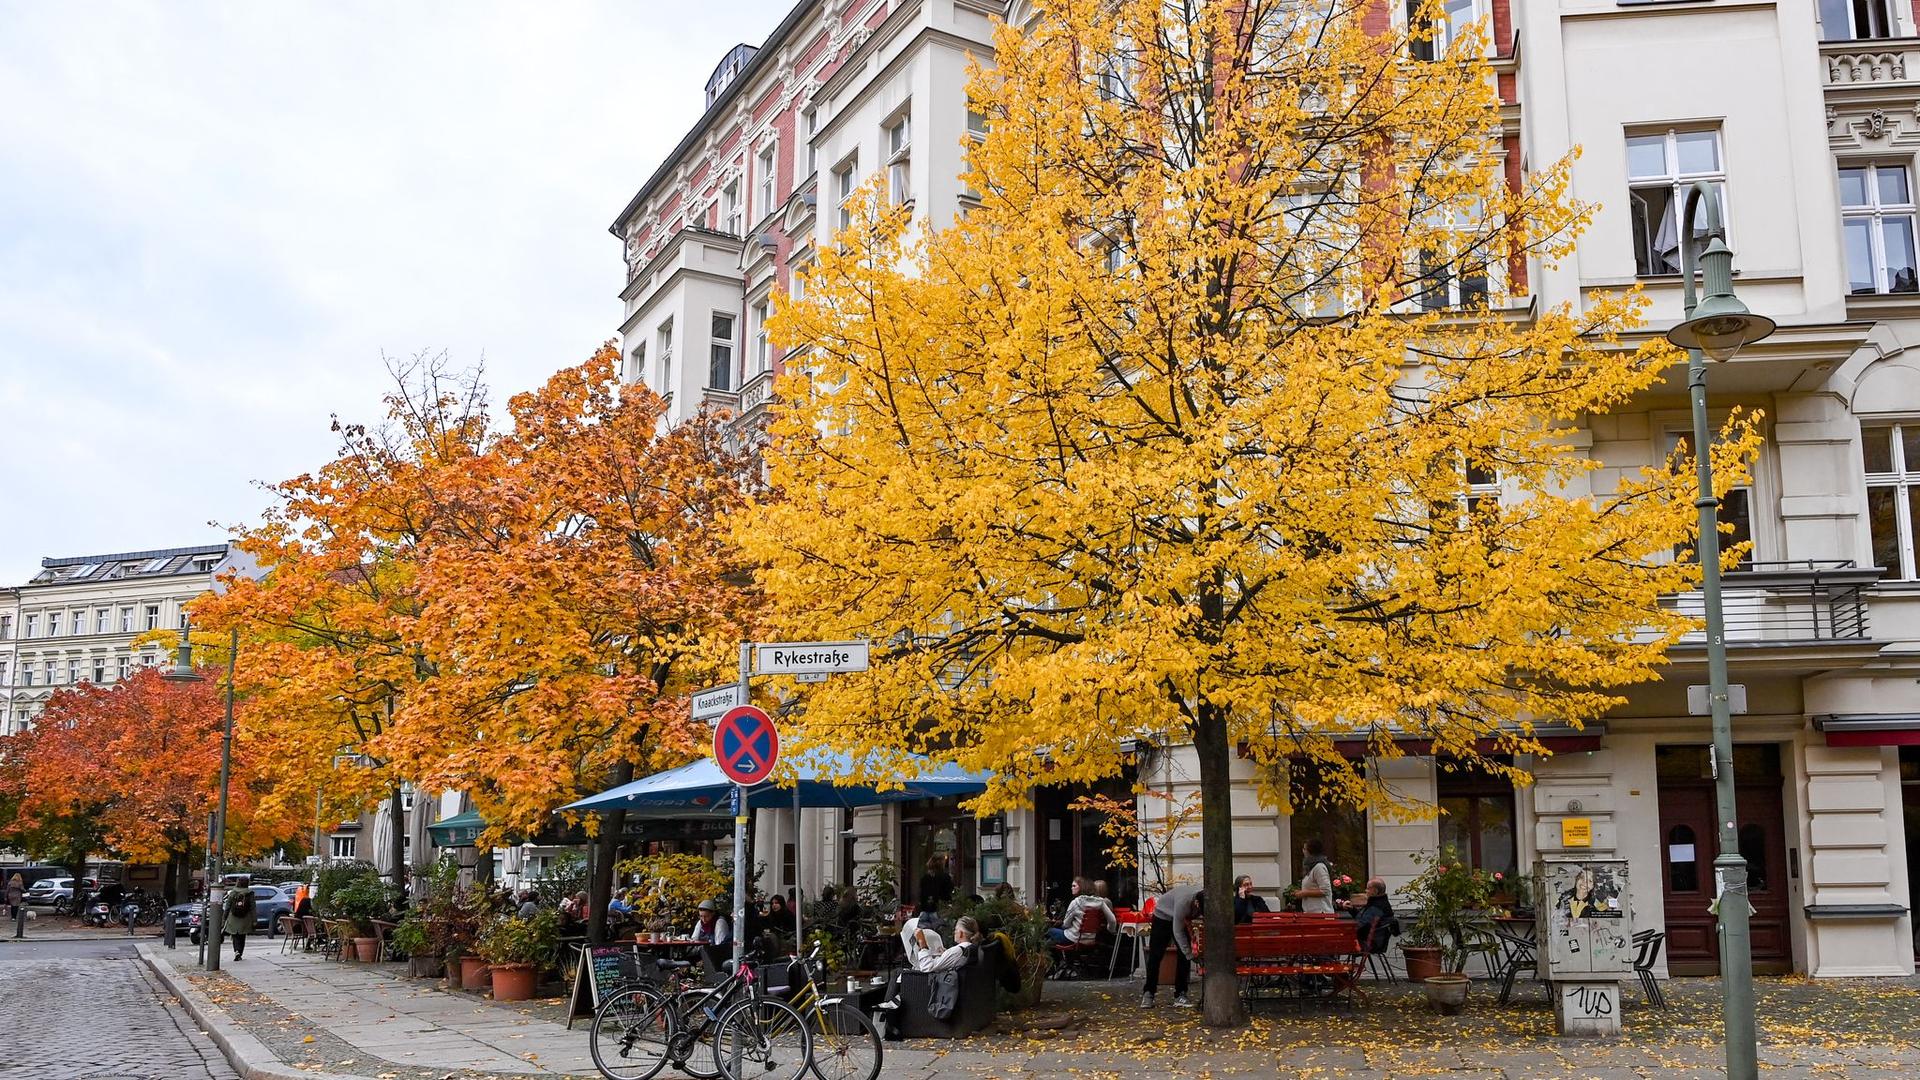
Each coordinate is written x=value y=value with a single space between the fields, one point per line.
x=1341 y=829
x=1477 y=819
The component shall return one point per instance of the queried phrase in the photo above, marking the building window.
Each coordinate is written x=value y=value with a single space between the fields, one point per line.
x=53 y=624
x=1660 y=169
x=809 y=123
x=1483 y=489
x=1852 y=20
x=126 y=620
x=122 y=663
x=99 y=669
x=1736 y=509
x=47 y=669
x=897 y=140
x=1433 y=33
x=843 y=191
x=32 y=626
x=344 y=847
x=720 y=358
x=1876 y=213
x=636 y=369
x=6 y=627
x=730 y=209
x=764 y=166
x=153 y=616
x=73 y=672
x=1476 y=820
x=102 y=621
x=1452 y=272
x=1892 y=459
x=665 y=338
x=762 y=351
x=1314 y=815
x=26 y=673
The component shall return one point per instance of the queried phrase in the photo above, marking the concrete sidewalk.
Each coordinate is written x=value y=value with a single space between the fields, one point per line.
x=280 y=1017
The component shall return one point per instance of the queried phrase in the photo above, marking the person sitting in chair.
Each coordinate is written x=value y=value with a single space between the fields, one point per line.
x=713 y=933
x=1084 y=900
x=1374 y=924
x=1245 y=903
x=924 y=952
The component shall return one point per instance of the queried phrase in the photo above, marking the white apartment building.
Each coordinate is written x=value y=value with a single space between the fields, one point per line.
x=76 y=620
x=1806 y=114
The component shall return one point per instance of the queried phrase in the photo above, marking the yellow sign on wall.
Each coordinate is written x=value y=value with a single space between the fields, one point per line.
x=1576 y=832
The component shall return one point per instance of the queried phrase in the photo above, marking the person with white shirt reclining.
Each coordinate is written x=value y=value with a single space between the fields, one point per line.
x=924 y=951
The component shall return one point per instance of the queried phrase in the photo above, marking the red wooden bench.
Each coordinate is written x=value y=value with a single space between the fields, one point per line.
x=1282 y=957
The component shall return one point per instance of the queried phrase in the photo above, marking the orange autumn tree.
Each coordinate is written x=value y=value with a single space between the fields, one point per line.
x=534 y=604
x=142 y=757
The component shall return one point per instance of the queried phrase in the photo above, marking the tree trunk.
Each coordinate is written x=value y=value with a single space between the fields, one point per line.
x=1221 y=988
x=605 y=849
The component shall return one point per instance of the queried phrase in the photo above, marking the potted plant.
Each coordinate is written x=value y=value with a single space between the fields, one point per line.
x=358 y=900
x=1447 y=893
x=513 y=946
x=475 y=906
x=411 y=938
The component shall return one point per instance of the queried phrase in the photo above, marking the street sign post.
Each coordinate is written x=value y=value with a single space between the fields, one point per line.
x=809 y=657
x=708 y=704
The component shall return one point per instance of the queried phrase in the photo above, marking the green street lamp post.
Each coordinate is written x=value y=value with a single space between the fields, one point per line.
x=217 y=847
x=1715 y=328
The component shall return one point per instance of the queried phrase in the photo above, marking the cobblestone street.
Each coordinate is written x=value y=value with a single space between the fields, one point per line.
x=92 y=1011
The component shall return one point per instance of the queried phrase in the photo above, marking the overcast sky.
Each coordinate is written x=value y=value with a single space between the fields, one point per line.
x=215 y=218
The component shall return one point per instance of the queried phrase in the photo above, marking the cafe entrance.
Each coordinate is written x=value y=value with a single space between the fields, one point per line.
x=1071 y=844
x=1689 y=843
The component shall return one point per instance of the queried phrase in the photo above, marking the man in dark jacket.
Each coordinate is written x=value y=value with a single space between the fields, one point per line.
x=1374 y=924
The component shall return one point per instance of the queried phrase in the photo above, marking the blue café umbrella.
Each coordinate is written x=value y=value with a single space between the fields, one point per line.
x=699 y=787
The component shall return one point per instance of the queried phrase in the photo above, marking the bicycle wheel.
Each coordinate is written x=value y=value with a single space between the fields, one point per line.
x=762 y=1039
x=846 y=1045
x=694 y=1027
x=630 y=1034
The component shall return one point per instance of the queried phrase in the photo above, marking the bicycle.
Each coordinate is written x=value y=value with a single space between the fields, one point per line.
x=645 y=1026
x=846 y=1045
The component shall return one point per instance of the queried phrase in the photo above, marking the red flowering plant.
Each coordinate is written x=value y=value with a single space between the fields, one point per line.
x=1450 y=897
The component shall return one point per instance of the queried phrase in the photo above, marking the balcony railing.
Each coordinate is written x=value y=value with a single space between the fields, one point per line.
x=1880 y=62
x=1780 y=603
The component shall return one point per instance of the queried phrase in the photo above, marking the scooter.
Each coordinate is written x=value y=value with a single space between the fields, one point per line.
x=99 y=913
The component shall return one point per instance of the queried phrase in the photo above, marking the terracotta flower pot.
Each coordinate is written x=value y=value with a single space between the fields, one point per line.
x=473 y=972
x=366 y=949
x=512 y=982
x=1447 y=993
x=1423 y=961
x=453 y=973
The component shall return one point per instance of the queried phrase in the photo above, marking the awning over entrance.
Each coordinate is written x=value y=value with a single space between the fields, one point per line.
x=1870 y=729
x=1558 y=740
x=460 y=830
x=699 y=787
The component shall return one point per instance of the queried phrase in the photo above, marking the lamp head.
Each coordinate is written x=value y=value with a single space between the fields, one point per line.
x=1720 y=324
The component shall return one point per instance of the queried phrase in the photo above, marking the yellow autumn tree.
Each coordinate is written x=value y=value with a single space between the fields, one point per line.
x=1172 y=436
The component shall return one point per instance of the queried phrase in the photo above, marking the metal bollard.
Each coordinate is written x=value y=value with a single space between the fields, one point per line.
x=167 y=930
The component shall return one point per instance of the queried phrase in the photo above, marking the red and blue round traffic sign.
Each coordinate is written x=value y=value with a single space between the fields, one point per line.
x=746 y=745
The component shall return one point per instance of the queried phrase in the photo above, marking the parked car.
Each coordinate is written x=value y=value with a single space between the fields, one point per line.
x=57 y=893
x=268 y=907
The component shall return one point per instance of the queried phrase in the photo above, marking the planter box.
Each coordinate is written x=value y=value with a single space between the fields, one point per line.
x=513 y=982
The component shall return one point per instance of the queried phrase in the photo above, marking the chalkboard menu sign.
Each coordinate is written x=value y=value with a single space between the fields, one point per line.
x=597 y=977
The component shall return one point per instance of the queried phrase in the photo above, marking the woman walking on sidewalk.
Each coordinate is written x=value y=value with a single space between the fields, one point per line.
x=239 y=915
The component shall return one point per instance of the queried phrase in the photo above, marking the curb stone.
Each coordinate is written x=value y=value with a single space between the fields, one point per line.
x=248 y=1055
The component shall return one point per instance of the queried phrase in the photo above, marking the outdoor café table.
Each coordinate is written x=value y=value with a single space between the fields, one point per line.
x=1517 y=956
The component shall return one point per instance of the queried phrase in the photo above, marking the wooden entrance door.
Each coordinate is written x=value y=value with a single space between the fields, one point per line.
x=1689 y=844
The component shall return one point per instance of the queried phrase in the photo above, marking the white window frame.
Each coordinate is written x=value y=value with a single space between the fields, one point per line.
x=99 y=669
x=1671 y=436
x=1875 y=215
x=730 y=208
x=720 y=350
x=1902 y=477
x=53 y=624
x=845 y=180
x=48 y=669
x=664 y=335
x=762 y=346
x=122 y=663
x=153 y=616
x=896 y=146
x=635 y=364
x=73 y=670
x=809 y=124
x=102 y=620
x=1675 y=181
x=126 y=620
x=1840 y=20
x=344 y=847
x=32 y=627
x=1456 y=17
x=1453 y=294
x=766 y=163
